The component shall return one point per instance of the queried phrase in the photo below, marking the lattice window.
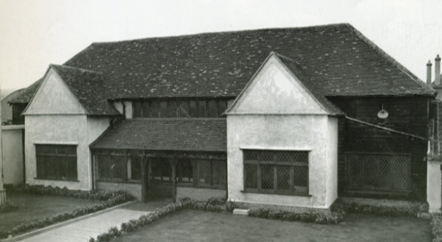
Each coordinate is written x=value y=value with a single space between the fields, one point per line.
x=219 y=173
x=185 y=171
x=378 y=172
x=204 y=172
x=284 y=172
x=251 y=176
x=283 y=177
x=56 y=162
x=112 y=168
x=179 y=108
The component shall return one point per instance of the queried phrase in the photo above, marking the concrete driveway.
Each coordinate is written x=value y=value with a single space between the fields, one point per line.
x=82 y=230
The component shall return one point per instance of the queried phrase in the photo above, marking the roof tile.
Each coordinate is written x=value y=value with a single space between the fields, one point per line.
x=166 y=134
x=338 y=59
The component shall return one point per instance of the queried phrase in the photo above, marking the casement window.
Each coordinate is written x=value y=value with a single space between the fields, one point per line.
x=118 y=168
x=276 y=172
x=56 y=162
x=180 y=108
x=196 y=173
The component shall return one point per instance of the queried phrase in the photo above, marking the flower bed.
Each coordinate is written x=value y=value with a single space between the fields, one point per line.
x=109 y=199
x=436 y=227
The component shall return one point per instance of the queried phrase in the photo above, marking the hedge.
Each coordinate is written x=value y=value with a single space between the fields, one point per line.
x=211 y=205
x=111 y=199
x=64 y=192
x=309 y=217
x=342 y=207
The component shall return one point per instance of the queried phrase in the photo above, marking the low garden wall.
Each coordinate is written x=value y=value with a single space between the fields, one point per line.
x=200 y=193
x=132 y=188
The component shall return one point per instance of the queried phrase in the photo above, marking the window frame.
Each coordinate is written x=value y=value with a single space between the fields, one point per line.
x=55 y=152
x=128 y=171
x=259 y=163
x=196 y=173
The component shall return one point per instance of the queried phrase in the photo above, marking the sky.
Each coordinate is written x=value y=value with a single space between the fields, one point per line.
x=36 y=33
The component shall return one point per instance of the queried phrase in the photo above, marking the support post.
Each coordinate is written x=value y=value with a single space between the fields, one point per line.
x=143 y=178
x=173 y=162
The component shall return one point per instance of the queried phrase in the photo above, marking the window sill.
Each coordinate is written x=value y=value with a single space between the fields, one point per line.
x=280 y=194
x=190 y=185
x=50 y=179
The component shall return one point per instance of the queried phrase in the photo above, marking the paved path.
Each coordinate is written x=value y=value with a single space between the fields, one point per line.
x=82 y=230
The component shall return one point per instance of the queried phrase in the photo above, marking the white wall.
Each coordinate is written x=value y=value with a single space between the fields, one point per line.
x=124 y=108
x=54 y=97
x=296 y=132
x=62 y=130
x=277 y=112
x=12 y=150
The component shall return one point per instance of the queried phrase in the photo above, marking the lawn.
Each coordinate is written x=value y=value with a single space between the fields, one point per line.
x=190 y=225
x=33 y=207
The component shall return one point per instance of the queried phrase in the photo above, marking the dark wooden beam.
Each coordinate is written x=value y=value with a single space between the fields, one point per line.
x=173 y=162
x=144 y=178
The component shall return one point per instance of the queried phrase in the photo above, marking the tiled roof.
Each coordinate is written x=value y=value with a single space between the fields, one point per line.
x=166 y=134
x=27 y=94
x=87 y=87
x=336 y=58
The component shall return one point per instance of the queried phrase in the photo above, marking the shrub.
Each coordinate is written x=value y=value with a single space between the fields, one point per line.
x=436 y=227
x=310 y=217
x=230 y=206
x=342 y=207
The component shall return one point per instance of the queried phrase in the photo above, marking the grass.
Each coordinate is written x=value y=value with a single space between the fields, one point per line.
x=33 y=207
x=191 y=225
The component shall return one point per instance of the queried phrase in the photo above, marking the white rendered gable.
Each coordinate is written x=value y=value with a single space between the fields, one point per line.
x=274 y=90
x=54 y=97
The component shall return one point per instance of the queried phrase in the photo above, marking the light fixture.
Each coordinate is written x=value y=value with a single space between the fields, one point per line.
x=383 y=114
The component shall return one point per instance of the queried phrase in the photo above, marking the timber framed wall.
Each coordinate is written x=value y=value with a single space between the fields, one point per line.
x=406 y=114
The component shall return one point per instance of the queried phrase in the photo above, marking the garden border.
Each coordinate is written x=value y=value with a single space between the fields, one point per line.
x=109 y=200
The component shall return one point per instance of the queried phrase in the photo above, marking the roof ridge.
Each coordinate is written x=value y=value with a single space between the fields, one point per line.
x=388 y=57
x=319 y=26
x=75 y=68
x=285 y=57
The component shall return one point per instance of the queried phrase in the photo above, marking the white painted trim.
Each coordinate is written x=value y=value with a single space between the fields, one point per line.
x=12 y=127
x=257 y=147
x=56 y=143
